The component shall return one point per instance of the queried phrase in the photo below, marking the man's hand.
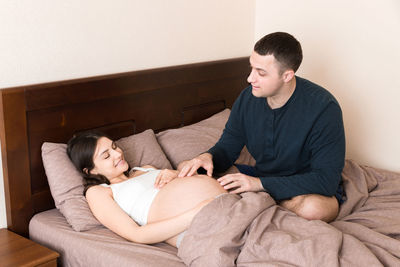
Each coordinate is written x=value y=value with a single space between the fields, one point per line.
x=164 y=177
x=188 y=168
x=240 y=183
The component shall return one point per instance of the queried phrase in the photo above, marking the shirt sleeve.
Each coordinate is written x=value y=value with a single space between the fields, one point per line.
x=326 y=145
x=228 y=147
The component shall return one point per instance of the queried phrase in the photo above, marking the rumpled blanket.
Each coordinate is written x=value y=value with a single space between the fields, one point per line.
x=251 y=230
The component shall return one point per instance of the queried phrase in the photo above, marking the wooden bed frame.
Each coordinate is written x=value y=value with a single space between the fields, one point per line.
x=119 y=104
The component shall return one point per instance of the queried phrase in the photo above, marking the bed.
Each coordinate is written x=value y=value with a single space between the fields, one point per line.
x=179 y=112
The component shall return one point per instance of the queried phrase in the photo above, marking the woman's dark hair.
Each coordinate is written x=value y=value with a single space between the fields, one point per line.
x=284 y=47
x=80 y=150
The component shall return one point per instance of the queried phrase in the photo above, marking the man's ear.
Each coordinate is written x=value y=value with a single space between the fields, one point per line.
x=288 y=75
x=85 y=170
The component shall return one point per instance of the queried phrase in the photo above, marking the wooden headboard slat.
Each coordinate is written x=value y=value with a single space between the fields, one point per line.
x=119 y=104
x=77 y=91
x=14 y=145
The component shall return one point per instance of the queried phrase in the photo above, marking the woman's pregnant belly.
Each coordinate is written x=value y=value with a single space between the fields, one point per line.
x=182 y=194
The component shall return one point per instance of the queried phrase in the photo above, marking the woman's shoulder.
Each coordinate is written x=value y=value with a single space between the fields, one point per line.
x=98 y=191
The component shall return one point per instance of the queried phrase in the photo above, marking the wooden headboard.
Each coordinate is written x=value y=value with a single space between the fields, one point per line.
x=119 y=104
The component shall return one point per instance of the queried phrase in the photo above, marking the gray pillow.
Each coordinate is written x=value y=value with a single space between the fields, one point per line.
x=66 y=183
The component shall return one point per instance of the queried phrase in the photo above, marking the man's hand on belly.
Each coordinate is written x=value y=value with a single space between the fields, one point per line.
x=239 y=183
x=190 y=167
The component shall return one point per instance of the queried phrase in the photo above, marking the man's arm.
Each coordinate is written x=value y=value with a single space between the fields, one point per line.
x=223 y=154
x=227 y=149
x=219 y=158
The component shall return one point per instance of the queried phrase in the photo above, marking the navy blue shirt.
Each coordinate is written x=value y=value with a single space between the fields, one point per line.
x=299 y=148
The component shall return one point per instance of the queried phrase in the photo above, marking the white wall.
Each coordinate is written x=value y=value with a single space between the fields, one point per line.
x=48 y=40
x=352 y=48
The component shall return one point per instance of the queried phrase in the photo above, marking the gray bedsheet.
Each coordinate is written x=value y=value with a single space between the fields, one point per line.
x=97 y=247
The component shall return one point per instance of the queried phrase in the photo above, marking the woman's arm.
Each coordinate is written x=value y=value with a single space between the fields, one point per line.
x=107 y=211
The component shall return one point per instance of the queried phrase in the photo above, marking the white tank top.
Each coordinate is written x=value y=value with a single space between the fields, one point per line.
x=136 y=194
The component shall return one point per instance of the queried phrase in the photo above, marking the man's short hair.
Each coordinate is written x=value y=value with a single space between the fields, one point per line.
x=284 y=47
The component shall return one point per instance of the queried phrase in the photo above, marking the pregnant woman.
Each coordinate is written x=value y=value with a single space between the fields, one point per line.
x=142 y=204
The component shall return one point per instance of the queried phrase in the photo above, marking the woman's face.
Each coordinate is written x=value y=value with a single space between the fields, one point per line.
x=108 y=159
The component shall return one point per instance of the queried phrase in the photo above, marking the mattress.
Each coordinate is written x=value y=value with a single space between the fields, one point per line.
x=96 y=247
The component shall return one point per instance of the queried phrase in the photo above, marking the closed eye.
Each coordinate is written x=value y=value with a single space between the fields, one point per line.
x=114 y=145
x=261 y=72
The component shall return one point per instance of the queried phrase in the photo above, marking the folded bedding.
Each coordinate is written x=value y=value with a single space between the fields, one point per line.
x=251 y=230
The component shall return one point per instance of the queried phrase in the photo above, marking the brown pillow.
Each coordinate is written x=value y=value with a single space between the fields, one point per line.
x=66 y=183
x=188 y=142
x=143 y=149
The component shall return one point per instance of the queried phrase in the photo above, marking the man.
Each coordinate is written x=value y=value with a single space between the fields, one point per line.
x=291 y=126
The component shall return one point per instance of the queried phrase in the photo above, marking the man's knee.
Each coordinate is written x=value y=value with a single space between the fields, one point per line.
x=314 y=207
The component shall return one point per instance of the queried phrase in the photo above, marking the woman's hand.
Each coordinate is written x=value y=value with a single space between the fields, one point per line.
x=164 y=177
